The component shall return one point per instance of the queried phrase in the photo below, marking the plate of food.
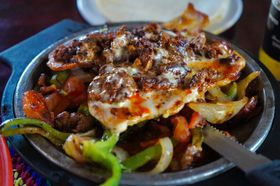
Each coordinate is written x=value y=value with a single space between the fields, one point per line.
x=125 y=103
x=222 y=14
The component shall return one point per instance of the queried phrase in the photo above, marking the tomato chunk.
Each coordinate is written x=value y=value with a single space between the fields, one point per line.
x=181 y=131
x=34 y=106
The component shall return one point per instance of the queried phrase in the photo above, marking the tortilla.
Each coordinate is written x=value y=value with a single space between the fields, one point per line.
x=158 y=10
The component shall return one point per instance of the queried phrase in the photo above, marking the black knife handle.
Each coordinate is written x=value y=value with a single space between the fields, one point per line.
x=265 y=175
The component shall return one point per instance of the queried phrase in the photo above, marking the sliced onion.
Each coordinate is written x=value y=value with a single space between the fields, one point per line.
x=166 y=156
x=72 y=147
x=218 y=95
x=90 y=133
x=218 y=112
x=243 y=84
x=120 y=153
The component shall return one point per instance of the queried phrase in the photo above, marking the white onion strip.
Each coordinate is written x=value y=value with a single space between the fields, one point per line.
x=120 y=153
x=166 y=156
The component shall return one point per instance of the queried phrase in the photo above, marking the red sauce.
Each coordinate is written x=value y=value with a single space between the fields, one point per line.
x=136 y=101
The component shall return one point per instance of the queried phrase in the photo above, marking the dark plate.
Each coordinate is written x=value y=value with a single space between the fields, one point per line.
x=251 y=133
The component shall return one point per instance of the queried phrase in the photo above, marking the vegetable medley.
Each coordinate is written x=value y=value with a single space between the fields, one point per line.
x=136 y=101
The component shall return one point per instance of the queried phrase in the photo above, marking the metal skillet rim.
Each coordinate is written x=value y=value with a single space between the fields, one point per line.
x=176 y=178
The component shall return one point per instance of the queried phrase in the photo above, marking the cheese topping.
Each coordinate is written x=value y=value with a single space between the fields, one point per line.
x=147 y=73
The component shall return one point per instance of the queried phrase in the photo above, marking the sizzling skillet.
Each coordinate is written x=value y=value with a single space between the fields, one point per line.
x=252 y=133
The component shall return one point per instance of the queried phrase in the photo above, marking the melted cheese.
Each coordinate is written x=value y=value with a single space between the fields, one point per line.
x=118 y=45
x=124 y=94
x=141 y=107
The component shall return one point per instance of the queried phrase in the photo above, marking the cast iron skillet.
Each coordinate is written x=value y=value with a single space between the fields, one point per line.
x=251 y=133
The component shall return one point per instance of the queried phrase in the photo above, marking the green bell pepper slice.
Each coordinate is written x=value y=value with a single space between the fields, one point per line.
x=138 y=160
x=232 y=91
x=197 y=137
x=27 y=122
x=83 y=108
x=59 y=78
x=32 y=130
x=100 y=152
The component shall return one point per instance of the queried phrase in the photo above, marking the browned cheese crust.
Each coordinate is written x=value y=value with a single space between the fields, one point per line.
x=147 y=59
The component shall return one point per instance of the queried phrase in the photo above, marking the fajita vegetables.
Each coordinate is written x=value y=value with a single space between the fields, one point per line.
x=136 y=100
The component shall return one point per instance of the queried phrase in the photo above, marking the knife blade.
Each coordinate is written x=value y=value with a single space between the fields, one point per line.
x=232 y=150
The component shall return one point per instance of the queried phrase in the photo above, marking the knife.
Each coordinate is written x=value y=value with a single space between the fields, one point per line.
x=259 y=169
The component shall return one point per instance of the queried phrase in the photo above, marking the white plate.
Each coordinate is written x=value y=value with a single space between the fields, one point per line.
x=222 y=14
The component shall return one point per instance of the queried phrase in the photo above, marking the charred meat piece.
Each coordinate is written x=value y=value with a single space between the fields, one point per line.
x=250 y=110
x=113 y=85
x=184 y=156
x=80 y=53
x=73 y=122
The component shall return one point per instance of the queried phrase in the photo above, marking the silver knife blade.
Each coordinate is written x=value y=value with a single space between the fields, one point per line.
x=232 y=150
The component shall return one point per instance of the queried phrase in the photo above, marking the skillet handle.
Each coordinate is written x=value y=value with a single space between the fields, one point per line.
x=20 y=55
x=267 y=174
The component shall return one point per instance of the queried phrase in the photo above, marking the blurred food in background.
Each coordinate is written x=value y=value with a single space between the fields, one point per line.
x=222 y=14
x=191 y=20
